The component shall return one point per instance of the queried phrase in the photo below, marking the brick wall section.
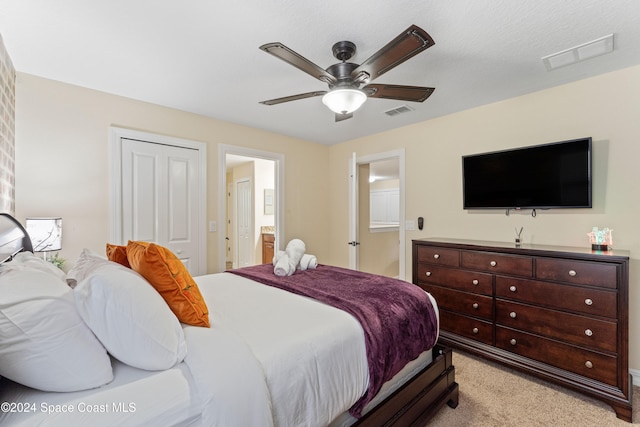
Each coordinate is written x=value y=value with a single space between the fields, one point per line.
x=7 y=131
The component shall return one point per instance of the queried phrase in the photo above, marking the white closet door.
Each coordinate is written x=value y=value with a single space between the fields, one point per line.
x=159 y=197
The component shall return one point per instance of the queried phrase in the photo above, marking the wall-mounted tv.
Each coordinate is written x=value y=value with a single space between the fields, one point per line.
x=556 y=175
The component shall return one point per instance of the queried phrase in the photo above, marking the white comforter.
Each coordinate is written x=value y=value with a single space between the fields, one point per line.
x=313 y=356
x=270 y=358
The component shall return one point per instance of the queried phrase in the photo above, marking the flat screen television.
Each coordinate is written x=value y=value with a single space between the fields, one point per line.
x=556 y=175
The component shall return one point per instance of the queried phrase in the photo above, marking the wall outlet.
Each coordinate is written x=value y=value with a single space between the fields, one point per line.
x=409 y=224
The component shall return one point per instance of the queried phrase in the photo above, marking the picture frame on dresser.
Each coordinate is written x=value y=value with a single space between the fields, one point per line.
x=558 y=313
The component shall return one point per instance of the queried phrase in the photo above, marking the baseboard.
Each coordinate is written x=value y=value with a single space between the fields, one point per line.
x=635 y=375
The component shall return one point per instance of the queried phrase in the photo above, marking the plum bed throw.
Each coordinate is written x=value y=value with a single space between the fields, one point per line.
x=397 y=317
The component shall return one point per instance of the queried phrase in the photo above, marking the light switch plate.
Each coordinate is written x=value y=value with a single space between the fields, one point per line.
x=409 y=224
x=213 y=227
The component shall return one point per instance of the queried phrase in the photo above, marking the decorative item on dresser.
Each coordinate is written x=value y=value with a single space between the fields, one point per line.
x=558 y=313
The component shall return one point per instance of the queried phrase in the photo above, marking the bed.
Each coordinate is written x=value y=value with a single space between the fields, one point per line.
x=269 y=357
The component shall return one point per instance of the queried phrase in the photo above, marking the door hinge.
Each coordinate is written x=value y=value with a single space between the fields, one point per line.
x=353 y=243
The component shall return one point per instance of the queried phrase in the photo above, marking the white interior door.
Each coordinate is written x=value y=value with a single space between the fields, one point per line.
x=244 y=222
x=229 y=224
x=353 y=213
x=160 y=197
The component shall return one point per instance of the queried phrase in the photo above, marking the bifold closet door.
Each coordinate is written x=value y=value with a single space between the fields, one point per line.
x=159 y=197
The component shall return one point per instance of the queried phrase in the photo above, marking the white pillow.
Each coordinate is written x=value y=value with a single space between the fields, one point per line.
x=85 y=264
x=28 y=260
x=44 y=344
x=130 y=318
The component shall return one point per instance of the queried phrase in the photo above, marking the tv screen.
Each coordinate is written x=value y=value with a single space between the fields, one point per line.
x=556 y=175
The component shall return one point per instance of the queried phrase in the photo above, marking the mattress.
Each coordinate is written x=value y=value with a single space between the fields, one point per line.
x=126 y=401
x=270 y=358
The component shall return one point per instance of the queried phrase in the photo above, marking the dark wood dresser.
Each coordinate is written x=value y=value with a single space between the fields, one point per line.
x=557 y=313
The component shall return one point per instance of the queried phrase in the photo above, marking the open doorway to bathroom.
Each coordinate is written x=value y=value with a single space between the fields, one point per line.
x=250 y=221
x=250 y=206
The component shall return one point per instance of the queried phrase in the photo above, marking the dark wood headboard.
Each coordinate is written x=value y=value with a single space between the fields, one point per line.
x=13 y=238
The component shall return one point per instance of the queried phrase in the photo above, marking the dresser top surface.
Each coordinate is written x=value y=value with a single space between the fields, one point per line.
x=525 y=248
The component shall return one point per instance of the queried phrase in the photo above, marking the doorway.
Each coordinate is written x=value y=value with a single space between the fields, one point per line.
x=251 y=202
x=247 y=222
x=376 y=212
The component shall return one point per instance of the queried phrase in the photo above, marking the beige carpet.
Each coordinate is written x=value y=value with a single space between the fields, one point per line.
x=492 y=395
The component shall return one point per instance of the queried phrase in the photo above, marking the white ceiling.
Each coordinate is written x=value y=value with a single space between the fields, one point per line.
x=202 y=56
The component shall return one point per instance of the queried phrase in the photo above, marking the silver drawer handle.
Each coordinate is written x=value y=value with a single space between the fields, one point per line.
x=475 y=305
x=475 y=281
x=513 y=315
x=493 y=263
x=588 y=364
x=513 y=288
x=428 y=273
x=475 y=330
x=572 y=273
x=436 y=256
x=588 y=332
x=588 y=301
x=513 y=341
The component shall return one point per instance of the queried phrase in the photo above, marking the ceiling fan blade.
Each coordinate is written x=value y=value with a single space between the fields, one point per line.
x=341 y=117
x=403 y=93
x=287 y=55
x=409 y=43
x=293 y=97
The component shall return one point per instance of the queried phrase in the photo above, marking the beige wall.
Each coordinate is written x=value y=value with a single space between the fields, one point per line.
x=62 y=168
x=606 y=108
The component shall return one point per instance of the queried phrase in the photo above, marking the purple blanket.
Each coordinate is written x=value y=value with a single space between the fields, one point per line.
x=397 y=317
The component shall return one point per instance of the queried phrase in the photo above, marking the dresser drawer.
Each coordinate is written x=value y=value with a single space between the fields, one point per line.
x=498 y=263
x=468 y=327
x=591 y=364
x=578 y=272
x=595 y=302
x=570 y=321
x=468 y=281
x=572 y=328
x=462 y=302
x=441 y=256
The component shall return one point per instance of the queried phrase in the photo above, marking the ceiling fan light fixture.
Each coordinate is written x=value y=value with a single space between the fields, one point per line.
x=344 y=101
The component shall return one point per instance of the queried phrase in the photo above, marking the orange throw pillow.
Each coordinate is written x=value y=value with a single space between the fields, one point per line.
x=168 y=275
x=117 y=253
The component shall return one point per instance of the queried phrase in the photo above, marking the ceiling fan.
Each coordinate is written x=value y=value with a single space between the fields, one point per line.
x=344 y=78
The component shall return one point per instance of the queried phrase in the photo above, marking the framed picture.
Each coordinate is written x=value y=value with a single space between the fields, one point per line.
x=268 y=201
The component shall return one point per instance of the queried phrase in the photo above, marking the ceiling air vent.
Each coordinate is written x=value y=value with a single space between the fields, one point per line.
x=580 y=53
x=399 y=110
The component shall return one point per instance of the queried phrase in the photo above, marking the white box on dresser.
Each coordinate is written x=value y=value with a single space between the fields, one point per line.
x=558 y=313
